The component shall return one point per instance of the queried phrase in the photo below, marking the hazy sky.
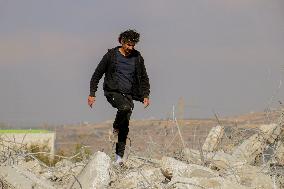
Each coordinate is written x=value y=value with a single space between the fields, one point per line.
x=226 y=55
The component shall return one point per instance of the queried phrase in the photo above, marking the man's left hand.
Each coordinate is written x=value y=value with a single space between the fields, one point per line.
x=146 y=102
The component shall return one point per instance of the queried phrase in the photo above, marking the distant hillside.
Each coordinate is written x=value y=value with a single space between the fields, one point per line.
x=158 y=132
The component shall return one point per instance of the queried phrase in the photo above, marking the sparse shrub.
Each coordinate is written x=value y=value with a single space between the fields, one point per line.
x=38 y=151
x=82 y=151
x=58 y=157
x=41 y=152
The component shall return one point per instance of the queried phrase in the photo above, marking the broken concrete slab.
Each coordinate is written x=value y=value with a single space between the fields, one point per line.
x=237 y=171
x=32 y=165
x=145 y=177
x=171 y=167
x=213 y=139
x=191 y=156
x=253 y=146
x=22 y=179
x=270 y=132
x=95 y=175
x=63 y=171
x=279 y=154
x=203 y=183
x=223 y=161
x=250 y=176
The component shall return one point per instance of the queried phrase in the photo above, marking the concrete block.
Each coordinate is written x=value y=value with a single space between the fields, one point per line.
x=144 y=178
x=204 y=183
x=95 y=175
x=171 y=167
x=19 y=178
x=213 y=139
x=255 y=145
x=279 y=154
x=192 y=156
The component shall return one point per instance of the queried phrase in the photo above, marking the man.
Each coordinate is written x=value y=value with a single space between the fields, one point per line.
x=125 y=80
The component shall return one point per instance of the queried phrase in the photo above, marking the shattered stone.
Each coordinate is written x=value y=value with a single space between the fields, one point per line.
x=146 y=177
x=19 y=178
x=32 y=166
x=223 y=161
x=250 y=176
x=63 y=171
x=270 y=132
x=137 y=172
x=255 y=145
x=192 y=156
x=213 y=139
x=171 y=168
x=64 y=163
x=279 y=154
x=95 y=175
x=224 y=171
x=204 y=183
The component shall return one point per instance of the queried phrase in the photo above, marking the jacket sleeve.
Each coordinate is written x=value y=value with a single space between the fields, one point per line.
x=145 y=85
x=99 y=72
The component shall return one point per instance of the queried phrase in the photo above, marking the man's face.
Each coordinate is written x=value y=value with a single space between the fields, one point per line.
x=128 y=47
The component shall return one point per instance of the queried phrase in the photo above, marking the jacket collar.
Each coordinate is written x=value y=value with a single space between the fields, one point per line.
x=135 y=52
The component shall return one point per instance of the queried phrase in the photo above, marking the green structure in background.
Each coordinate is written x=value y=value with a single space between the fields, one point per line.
x=24 y=131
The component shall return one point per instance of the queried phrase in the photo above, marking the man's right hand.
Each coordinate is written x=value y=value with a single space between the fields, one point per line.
x=91 y=100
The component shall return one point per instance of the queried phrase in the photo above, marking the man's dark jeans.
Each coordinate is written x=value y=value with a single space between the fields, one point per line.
x=124 y=105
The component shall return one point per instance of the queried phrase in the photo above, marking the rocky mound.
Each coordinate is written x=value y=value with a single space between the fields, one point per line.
x=256 y=161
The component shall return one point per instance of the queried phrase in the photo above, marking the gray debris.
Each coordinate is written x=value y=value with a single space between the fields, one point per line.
x=253 y=146
x=23 y=179
x=213 y=139
x=95 y=174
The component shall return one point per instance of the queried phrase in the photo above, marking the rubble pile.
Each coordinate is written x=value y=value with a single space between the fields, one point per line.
x=211 y=166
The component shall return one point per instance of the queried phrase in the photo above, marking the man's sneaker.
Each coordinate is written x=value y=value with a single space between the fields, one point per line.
x=118 y=160
x=113 y=135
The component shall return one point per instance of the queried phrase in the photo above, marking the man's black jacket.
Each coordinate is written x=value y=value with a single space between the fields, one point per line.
x=141 y=85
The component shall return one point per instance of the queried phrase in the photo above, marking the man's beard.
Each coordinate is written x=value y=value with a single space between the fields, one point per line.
x=128 y=52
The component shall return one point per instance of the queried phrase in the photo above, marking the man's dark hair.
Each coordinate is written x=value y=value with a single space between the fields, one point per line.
x=129 y=36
